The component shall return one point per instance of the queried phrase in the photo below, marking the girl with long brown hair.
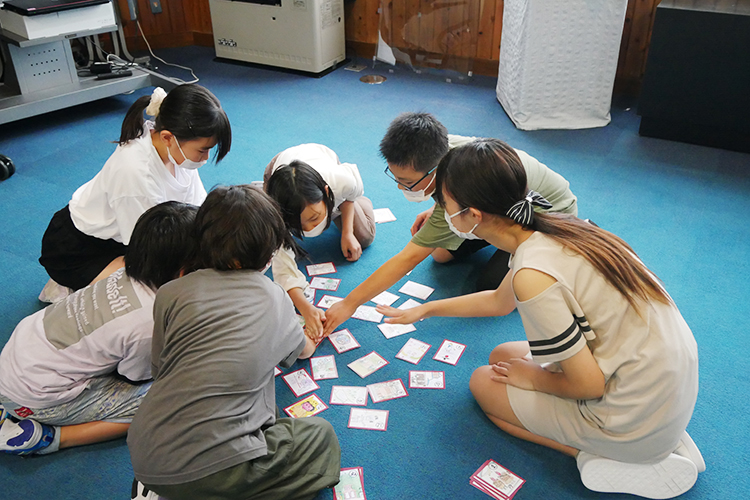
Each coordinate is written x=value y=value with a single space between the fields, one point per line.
x=609 y=373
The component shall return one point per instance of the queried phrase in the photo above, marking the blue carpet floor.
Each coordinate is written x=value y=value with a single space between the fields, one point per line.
x=685 y=209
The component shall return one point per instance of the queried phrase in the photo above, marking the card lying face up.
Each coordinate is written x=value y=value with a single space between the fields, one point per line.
x=300 y=382
x=348 y=395
x=367 y=365
x=351 y=485
x=311 y=405
x=449 y=352
x=325 y=268
x=343 y=341
x=361 y=418
x=426 y=380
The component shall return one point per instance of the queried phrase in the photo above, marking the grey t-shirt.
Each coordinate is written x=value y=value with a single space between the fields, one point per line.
x=217 y=337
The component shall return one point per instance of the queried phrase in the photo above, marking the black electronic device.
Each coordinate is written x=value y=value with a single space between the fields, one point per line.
x=37 y=7
x=114 y=74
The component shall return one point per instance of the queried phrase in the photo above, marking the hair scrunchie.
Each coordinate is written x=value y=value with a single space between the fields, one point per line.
x=522 y=211
x=157 y=96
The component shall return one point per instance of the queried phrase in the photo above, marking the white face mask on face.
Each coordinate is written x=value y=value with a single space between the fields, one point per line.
x=187 y=164
x=317 y=230
x=467 y=236
x=418 y=196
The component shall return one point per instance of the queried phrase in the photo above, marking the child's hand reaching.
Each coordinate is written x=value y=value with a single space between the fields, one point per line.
x=314 y=319
x=401 y=316
x=350 y=247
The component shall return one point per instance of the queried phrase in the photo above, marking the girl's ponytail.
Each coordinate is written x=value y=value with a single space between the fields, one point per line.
x=132 y=125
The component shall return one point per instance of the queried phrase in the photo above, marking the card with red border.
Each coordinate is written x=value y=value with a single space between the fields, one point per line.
x=385 y=298
x=367 y=313
x=276 y=371
x=368 y=364
x=496 y=480
x=449 y=352
x=413 y=351
x=311 y=405
x=362 y=418
x=323 y=367
x=351 y=485
x=426 y=380
x=390 y=330
x=324 y=268
x=328 y=300
x=348 y=395
x=343 y=341
x=328 y=284
x=299 y=382
x=384 y=391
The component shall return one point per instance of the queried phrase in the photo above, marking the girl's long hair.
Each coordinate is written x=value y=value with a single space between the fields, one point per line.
x=189 y=112
x=488 y=175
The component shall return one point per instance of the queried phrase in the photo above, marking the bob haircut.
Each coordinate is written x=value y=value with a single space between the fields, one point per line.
x=237 y=227
x=162 y=243
x=189 y=112
x=416 y=140
x=294 y=186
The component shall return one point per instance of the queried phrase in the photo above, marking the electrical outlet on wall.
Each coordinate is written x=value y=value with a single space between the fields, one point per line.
x=155 y=6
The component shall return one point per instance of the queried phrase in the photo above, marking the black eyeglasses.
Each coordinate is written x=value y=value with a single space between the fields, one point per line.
x=408 y=188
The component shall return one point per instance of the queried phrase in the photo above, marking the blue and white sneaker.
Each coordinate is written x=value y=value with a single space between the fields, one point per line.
x=25 y=437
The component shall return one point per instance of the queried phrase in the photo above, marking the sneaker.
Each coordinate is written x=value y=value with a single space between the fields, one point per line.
x=138 y=491
x=54 y=292
x=669 y=478
x=689 y=450
x=25 y=437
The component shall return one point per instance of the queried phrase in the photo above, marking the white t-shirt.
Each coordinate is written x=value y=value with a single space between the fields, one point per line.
x=342 y=178
x=132 y=180
x=52 y=354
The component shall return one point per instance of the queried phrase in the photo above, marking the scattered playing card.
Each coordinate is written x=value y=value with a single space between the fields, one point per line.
x=328 y=300
x=383 y=391
x=416 y=290
x=367 y=313
x=343 y=341
x=351 y=485
x=348 y=395
x=385 y=298
x=301 y=320
x=300 y=382
x=323 y=367
x=426 y=380
x=311 y=405
x=325 y=268
x=449 y=352
x=383 y=215
x=361 y=418
x=409 y=304
x=367 y=365
x=391 y=330
x=413 y=351
x=310 y=294
x=329 y=284
x=496 y=480
x=276 y=371
x=355 y=67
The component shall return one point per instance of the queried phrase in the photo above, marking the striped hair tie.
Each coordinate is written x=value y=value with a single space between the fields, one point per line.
x=522 y=211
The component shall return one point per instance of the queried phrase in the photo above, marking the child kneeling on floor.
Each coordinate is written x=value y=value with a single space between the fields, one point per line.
x=75 y=372
x=208 y=426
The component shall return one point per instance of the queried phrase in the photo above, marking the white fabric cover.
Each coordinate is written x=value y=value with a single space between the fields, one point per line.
x=558 y=60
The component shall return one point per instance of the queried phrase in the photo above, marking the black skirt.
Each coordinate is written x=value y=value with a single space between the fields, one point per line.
x=72 y=258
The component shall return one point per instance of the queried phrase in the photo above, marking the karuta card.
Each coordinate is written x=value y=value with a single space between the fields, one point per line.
x=390 y=330
x=390 y=389
x=367 y=365
x=413 y=351
x=367 y=313
x=449 y=352
x=348 y=395
x=328 y=284
x=426 y=380
x=343 y=341
x=497 y=479
x=351 y=485
x=385 y=298
x=361 y=418
x=323 y=367
x=309 y=294
x=311 y=405
x=416 y=290
x=328 y=300
x=383 y=215
x=300 y=382
x=276 y=371
x=325 y=268
x=409 y=304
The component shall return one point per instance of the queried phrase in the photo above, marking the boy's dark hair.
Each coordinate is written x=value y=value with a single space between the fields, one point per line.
x=237 y=227
x=294 y=186
x=189 y=111
x=416 y=140
x=162 y=243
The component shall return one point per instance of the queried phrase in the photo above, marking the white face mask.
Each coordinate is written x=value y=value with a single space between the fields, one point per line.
x=467 y=236
x=418 y=196
x=317 y=230
x=188 y=164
